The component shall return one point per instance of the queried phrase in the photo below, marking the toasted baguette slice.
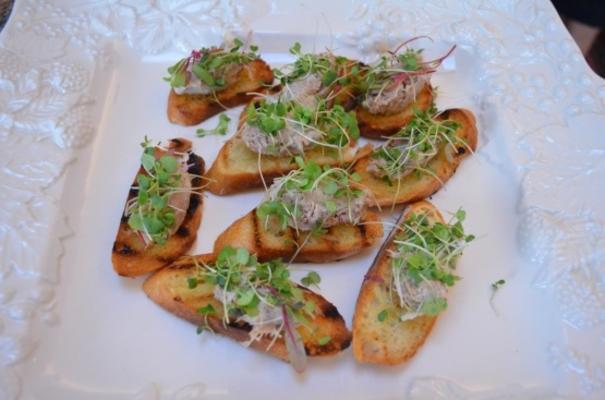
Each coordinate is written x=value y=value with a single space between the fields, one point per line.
x=418 y=186
x=390 y=341
x=191 y=109
x=377 y=126
x=168 y=288
x=130 y=256
x=340 y=241
x=236 y=167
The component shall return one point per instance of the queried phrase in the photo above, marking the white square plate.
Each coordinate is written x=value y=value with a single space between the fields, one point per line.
x=75 y=110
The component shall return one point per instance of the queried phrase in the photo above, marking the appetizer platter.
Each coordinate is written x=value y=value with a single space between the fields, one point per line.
x=326 y=214
x=302 y=130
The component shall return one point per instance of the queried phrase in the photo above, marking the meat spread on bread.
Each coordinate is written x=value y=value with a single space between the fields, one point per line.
x=256 y=303
x=163 y=209
x=406 y=287
x=213 y=79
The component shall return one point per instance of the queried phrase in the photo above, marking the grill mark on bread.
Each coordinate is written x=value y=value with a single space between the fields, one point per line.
x=194 y=202
x=196 y=166
x=363 y=233
x=345 y=343
x=242 y=326
x=330 y=311
x=165 y=288
x=124 y=249
x=128 y=261
x=338 y=243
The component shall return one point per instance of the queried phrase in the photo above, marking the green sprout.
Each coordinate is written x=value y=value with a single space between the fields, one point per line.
x=209 y=65
x=220 y=129
x=337 y=127
x=149 y=213
x=415 y=145
x=426 y=253
x=335 y=183
x=247 y=284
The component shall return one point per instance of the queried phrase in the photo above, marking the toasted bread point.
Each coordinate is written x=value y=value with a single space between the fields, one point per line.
x=390 y=341
x=129 y=255
x=339 y=242
x=377 y=126
x=169 y=289
x=236 y=167
x=417 y=186
x=191 y=109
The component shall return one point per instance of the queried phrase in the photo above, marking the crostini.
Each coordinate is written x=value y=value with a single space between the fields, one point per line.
x=255 y=303
x=393 y=87
x=272 y=132
x=319 y=76
x=419 y=159
x=163 y=210
x=405 y=289
x=213 y=79
x=313 y=214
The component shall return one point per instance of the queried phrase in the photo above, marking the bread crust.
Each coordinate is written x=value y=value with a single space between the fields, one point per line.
x=191 y=109
x=391 y=341
x=237 y=168
x=130 y=256
x=339 y=242
x=380 y=126
x=414 y=187
x=168 y=288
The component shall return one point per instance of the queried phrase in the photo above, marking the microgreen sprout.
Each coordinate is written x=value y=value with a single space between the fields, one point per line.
x=220 y=129
x=499 y=283
x=324 y=340
x=328 y=66
x=495 y=287
x=334 y=127
x=150 y=213
x=258 y=293
x=210 y=64
x=246 y=284
x=322 y=75
x=207 y=311
x=312 y=278
x=423 y=263
x=395 y=68
x=415 y=145
x=312 y=198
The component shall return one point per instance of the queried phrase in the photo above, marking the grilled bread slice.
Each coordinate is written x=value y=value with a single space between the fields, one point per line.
x=131 y=257
x=417 y=186
x=267 y=242
x=237 y=168
x=191 y=109
x=389 y=341
x=169 y=289
x=377 y=126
